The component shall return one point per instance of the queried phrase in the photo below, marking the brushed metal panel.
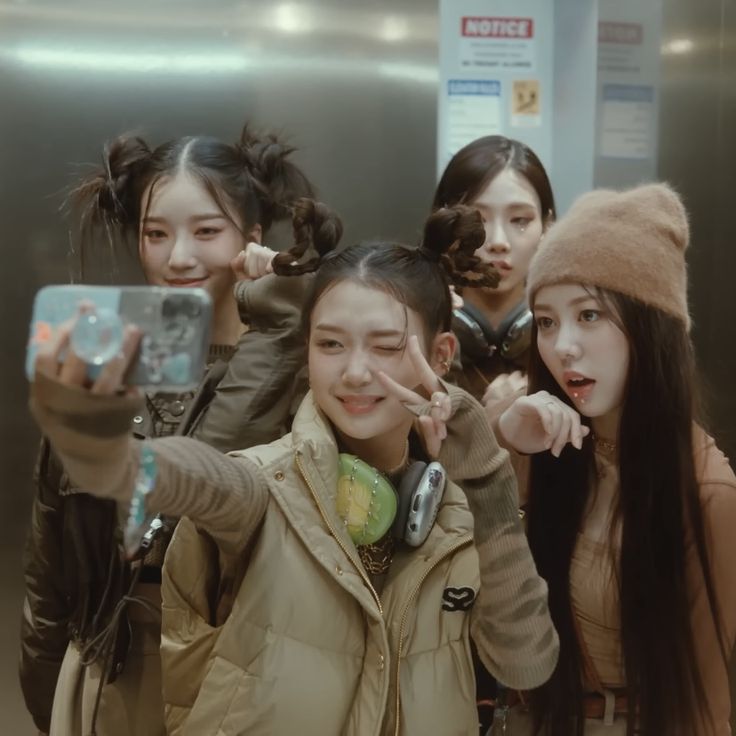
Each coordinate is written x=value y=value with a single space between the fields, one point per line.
x=353 y=84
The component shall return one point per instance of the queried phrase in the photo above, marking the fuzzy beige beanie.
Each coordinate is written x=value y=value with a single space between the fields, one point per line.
x=632 y=242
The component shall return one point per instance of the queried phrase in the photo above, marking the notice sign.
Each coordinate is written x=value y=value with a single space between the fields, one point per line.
x=627 y=121
x=474 y=110
x=621 y=48
x=497 y=44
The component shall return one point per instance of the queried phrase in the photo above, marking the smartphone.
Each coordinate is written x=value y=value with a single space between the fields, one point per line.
x=175 y=323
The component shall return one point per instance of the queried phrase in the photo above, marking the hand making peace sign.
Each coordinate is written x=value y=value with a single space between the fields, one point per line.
x=433 y=414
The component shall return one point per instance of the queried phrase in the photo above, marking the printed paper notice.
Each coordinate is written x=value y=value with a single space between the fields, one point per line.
x=627 y=121
x=474 y=110
x=525 y=104
x=490 y=44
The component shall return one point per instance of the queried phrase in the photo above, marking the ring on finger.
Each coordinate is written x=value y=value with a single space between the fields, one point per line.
x=438 y=399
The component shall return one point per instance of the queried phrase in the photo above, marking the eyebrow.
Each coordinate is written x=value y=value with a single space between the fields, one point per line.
x=509 y=205
x=573 y=302
x=372 y=333
x=194 y=218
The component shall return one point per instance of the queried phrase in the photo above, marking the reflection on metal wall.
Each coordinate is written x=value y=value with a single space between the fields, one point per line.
x=351 y=83
x=697 y=153
x=354 y=85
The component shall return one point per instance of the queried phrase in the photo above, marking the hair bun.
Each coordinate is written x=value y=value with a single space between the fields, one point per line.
x=106 y=194
x=277 y=180
x=452 y=235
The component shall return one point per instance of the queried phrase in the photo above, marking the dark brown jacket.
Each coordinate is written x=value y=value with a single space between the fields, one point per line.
x=75 y=571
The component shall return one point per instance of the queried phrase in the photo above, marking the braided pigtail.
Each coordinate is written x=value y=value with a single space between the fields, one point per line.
x=278 y=182
x=451 y=237
x=316 y=227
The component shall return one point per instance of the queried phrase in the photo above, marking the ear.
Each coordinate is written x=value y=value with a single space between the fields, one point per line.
x=255 y=234
x=442 y=352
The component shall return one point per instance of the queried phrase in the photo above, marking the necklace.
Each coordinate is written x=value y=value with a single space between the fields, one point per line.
x=606 y=447
x=377 y=557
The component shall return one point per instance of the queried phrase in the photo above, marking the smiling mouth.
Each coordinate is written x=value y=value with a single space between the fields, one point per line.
x=186 y=282
x=359 y=404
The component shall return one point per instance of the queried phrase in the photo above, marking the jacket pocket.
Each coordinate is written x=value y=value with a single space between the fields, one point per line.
x=232 y=702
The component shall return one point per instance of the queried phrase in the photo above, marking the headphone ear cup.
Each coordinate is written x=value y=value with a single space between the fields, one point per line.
x=425 y=504
x=405 y=492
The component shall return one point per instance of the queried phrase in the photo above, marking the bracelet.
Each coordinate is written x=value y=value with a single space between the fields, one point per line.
x=144 y=483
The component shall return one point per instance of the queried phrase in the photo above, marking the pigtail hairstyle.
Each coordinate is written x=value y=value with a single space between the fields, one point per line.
x=316 y=227
x=252 y=182
x=110 y=194
x=278 y=182
x=419 y=278
x=451 y=237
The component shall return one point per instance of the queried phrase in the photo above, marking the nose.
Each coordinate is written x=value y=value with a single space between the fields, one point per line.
x=357 y=369
x=567 y=344
x=182 y=255
x=497 y=241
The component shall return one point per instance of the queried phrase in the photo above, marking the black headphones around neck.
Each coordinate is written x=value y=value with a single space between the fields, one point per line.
x=479 y=340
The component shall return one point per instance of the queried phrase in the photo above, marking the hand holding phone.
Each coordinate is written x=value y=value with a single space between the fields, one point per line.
x=152 y=337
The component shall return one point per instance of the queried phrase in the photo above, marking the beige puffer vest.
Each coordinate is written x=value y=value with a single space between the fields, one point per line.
x=308 y=647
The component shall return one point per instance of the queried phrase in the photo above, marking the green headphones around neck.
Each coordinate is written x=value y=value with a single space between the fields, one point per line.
x=370 y=506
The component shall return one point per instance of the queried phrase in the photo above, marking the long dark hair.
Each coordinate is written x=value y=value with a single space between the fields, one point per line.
x=658 y=511
x=419 y=277
x=253 y=178
x=473 y=167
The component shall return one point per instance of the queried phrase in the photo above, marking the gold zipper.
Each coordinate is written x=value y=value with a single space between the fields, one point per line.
x=326 y=518
x=452 y=550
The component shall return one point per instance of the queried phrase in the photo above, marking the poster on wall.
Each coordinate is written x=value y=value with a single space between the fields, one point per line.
x=629 y=42
x=495 y=65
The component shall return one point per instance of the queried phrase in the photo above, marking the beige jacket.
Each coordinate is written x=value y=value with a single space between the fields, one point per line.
x=271 y=625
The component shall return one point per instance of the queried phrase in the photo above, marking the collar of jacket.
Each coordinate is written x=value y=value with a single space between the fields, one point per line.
x=316 y=451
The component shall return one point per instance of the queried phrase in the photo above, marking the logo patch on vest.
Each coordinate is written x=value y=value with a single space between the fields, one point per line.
x=457 y=599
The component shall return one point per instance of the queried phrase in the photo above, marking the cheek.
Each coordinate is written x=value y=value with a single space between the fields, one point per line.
x=526 y=244
x=402 y=371
x=152 y=260
x=544 y=347
x=318 y=370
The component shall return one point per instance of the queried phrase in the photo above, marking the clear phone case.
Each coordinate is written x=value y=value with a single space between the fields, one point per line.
x=175 y=323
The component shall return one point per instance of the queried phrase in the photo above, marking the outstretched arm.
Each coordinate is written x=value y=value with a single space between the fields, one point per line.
x=89 y=429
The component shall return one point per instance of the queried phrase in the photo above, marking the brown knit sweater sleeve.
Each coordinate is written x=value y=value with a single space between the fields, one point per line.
x=520 y=463
x=223 y=495
x=510 y=622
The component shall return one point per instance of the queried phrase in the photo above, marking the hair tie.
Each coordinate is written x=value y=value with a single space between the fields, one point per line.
x=430 y=255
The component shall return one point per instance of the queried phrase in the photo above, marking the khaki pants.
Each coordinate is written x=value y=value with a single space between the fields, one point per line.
x=130 y=706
